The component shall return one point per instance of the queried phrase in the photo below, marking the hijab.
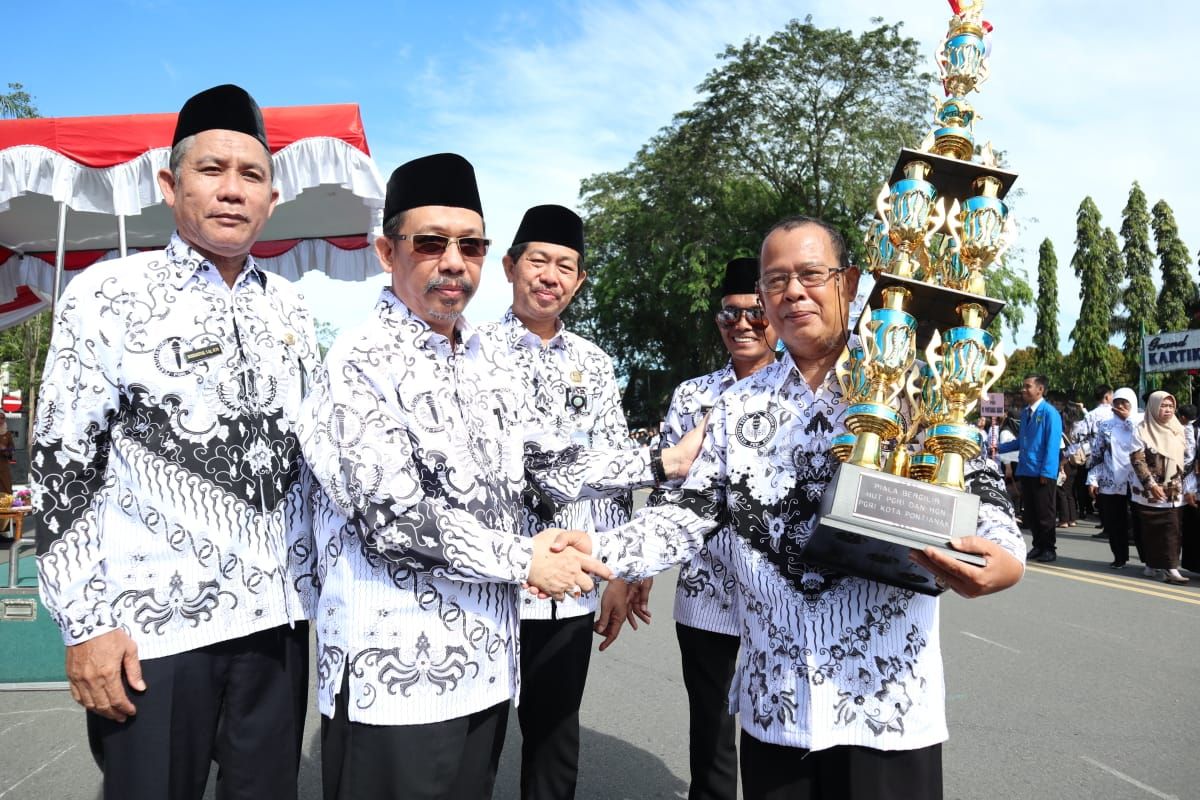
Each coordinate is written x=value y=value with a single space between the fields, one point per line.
x=1164 y=438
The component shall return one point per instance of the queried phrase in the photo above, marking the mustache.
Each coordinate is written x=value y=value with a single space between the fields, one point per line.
x=454 y=283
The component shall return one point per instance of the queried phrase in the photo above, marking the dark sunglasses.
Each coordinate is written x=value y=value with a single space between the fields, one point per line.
x=728 y=316
x=434 y=244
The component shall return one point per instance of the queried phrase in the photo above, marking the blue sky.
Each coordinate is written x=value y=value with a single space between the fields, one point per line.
x=1084 y=97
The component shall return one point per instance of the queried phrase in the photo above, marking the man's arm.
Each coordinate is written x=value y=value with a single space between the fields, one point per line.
x=1053 y=444
x=363 y=455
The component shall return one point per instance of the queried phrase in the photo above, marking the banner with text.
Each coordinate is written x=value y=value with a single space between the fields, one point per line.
x=1171 y=352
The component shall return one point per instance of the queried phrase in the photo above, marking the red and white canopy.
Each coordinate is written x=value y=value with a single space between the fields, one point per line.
x=331 y=196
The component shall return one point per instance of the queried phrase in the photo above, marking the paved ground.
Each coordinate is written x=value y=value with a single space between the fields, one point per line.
x=1078 y=684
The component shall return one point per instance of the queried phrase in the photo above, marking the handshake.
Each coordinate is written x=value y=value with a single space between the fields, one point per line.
x=562 y=564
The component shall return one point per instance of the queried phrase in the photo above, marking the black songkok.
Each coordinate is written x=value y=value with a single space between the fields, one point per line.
x=444 y=179
x=553 y=225
x=226 y=107
x=741 y=274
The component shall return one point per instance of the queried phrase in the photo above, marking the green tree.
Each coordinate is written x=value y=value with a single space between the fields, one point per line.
x=1087 y=367
x=1045 y=333
x=1021 y=362
x=808 y=120
x=1178 y=293
x=1138 y=298
x=24 y=346
x=16 y=103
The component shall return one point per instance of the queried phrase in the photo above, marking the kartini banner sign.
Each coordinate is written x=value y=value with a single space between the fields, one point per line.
x=1171 y=352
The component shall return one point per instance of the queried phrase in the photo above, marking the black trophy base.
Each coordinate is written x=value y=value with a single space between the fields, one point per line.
x=870 y=520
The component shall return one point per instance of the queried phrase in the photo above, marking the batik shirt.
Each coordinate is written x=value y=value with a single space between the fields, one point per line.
x=166 y=471
x=572 y=393
x=422 y=446
x=704 y=595
x=1145 y=464
x=1108 y=464
x=825 y=659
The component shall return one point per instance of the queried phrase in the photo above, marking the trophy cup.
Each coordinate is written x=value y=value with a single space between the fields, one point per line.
x=930 y=295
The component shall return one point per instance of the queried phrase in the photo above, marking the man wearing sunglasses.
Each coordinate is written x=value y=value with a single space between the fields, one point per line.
x=573 y=393
x=840 y=686
x=419 y=432
x=705 y=609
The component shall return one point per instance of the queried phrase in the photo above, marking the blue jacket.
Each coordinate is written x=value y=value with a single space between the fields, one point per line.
x=1039 y=442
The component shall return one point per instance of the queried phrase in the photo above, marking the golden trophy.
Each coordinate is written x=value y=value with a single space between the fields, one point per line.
x=941 y=222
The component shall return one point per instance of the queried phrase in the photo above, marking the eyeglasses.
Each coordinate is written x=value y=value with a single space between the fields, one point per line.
x=434 y=244
x=810 y=278
x=728 y=316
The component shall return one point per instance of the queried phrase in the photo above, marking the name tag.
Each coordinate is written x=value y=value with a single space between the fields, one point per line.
x=202 y=353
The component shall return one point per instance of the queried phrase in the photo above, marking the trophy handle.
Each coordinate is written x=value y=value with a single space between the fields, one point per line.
x=865 y=340
x=912 y=393
x=842 y=372
x=995 y=369
x=937 y=218
x=882 y=206
x=931 y=359
x=954 y=225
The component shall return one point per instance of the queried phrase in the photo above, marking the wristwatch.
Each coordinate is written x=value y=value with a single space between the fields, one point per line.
x=656 y=465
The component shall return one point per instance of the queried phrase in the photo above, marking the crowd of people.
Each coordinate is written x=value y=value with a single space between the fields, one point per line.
x=1135 y=470
x=440 y=502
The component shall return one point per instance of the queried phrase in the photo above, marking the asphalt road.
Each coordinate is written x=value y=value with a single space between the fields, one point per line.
x=1078 y=683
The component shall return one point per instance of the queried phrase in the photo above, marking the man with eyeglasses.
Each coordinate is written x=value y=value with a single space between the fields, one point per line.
x=419 y=432
x=573 y=392
x=840 y=686
x=705 y=609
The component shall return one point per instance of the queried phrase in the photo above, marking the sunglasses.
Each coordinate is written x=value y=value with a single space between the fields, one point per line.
x=434 y=244
x=728 y=316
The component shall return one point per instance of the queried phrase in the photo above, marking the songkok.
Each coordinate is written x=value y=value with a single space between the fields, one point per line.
x=740 y=276
x=226 y=107
x=444 y=179
x=1126 y=394
x=553 y=225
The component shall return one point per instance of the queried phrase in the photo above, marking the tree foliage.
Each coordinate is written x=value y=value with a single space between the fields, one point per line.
x=1138 y=298
x=807 y=121
x=1045 y=332
x=1088 y=366
x=17 y=103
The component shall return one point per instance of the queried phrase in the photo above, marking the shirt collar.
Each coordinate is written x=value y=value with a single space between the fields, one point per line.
x=186 y=262
x=518 y=335
x=391 y=308
x=1035 y=404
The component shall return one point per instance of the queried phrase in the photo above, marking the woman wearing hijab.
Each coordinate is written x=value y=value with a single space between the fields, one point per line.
x=1162 y=481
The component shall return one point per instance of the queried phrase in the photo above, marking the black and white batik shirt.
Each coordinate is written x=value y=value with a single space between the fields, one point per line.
x=422 y=447
x=825 y=659
x=166 y=471
x=572 y=393
x=704 y=593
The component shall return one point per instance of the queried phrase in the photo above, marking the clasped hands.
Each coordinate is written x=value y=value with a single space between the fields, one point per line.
x=562 y=564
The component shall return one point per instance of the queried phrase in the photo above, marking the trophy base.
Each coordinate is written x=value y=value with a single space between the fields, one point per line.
x=870 y=520
x=933 y=306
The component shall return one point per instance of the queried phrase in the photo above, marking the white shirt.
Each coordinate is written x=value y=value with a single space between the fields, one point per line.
x=573 y=393
x=1108 y=465
x=825 y=659
x=421 y=446
x=704 y=592
x=166 y=473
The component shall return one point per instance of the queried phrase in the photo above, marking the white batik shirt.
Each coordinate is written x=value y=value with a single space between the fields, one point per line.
x=1108 y=464
x=166 y=473
x=825 y=659
x=704 y=593
x=572 y=391
x=422 y=447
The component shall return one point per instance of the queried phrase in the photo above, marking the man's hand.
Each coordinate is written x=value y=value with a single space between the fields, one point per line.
x=1093 y=491
x=614 y=605
x=561 y=564
x=95 y=669
x=639 y=602
x=677 y=460
x=1002 y=569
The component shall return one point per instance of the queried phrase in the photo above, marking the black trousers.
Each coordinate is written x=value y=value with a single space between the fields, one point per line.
x=775 y=772
x=1114 y=517
x=1038 y=499
x=450 y=760
x=240 y=703
x=1064 y=496
x=709 y=660
x=555 y=654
